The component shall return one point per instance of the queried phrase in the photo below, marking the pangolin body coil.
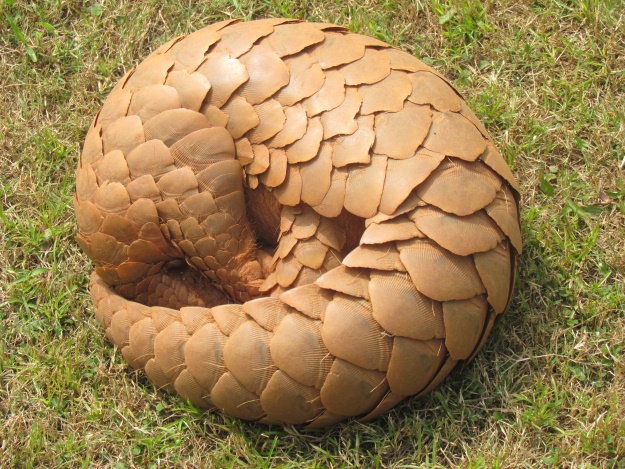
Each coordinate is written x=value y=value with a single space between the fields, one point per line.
x=294 y=224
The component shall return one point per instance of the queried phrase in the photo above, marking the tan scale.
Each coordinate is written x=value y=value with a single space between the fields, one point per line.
x=294 y=224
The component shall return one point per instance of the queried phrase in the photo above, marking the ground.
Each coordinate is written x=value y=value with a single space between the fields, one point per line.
x=548 y=80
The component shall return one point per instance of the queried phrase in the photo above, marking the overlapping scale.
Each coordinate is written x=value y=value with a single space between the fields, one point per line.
x=387 y=95
x=427 y=88
x=439 y=274
x=505 y=213
x=239 y=38
x=317 y=176
x=225 y=74
x=352 y=390
x=329 y=96
x=152 y=100
x=371 y=68
x=306 y=77
x=464 y=324
x=460 y=235
x=351 y=333
x=399 y=134
x=459 y=188
x=298 y=350
x=267 y=74
x=124 y=134
x=306 y=148
x=354 y=148
x=364 y=185
x=402 y=310
x=233 y=398
x=495 y=270
x=414 y=364
x=189 y=52
x=341 y=120
x=288 y=401
x=338 y=49
x=288 y=39
x=192 y=88
x=294 y=128
x=467 y=143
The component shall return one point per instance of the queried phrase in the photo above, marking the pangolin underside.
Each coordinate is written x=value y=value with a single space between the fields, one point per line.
x=294 y=224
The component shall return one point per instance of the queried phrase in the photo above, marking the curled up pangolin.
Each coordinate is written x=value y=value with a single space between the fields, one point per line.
x=294 y=224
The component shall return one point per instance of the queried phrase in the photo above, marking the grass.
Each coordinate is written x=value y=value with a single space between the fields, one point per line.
x=548 y=79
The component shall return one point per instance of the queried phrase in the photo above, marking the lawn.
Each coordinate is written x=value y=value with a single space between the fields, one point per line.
x=546 y=77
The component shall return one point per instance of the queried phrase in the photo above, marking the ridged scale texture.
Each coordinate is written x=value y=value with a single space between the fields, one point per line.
x=388 y=221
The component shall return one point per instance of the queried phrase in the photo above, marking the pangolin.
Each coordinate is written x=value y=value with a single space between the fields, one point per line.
x=294 y=224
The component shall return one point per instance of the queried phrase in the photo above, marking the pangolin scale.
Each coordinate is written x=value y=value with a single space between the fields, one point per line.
x=294 y=224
